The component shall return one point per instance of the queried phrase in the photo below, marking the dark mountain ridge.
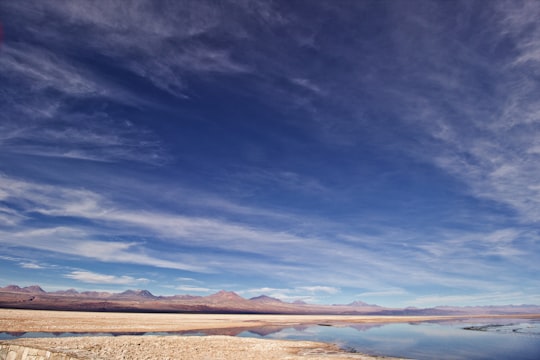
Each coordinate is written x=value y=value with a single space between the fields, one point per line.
x=34 y=297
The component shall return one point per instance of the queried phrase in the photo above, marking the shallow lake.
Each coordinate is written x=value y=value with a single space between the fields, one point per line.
x=464 y=339
x=512 y=340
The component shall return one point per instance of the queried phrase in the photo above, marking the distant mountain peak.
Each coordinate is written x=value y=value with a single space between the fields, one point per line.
x=137 y=293
x=34 y=297
x=265 y=299
x=12 y=288
x=144 y=293
x=225 y=295
x=34 y=289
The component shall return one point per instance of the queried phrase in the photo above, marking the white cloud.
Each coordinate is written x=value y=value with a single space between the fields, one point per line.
x=53 y=201
x=498 y=159
x=138 y=35
x=448 y=262
x=307 y=84
x=320 y=289
x=364 y=261
x=93 y=136
x=78 y=242
x=31 y=266
x=494 y=298
x=191 y=289
x=483 y=133
x=38 y=121
x=384 y=292
x=9 y=217
x=470 y=245
x=41 y=69
x=289 y=256
x=520 y=21
x=96 y=278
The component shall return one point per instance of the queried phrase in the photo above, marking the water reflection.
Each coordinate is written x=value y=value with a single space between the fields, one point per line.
x=429 y=340
x=462 y=339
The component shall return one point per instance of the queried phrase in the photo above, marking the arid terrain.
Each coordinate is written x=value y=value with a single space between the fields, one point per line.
x=131 y=346
x=20 y=321
x=220 y=317
x=189 y=347
x=34 y=297
x=134 y=347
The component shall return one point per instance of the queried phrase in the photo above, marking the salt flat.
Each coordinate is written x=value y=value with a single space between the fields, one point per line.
x=180 y=347
x=188 y=347
x=12 y=320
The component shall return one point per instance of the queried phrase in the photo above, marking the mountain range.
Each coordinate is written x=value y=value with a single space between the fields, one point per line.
x=34 y=297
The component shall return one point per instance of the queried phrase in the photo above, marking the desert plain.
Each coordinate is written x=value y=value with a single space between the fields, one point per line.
x=130 y=346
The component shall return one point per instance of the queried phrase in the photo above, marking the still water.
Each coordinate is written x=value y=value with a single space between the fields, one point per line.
x=512 y=340
x=465 y=339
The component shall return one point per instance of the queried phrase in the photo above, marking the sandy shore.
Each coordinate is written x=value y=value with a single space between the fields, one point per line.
x=181 y=347
x=73 y=321
x=188 y=347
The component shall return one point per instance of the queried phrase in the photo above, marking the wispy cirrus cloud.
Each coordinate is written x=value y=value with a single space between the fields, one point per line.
x=280 y=249
x=383 y=292
x=39 y=120
x=50 y=85
x=118 y=141
x=297 y=257
x=194 y=289
x=27 y=263
x=337 y=136
x=320 y=289
x=480 y=129
x=519 y=21
x=31 y=265
x=97 y=278
x=159 y=48
x=40 y=69
x=84 y=204
x=496 y=298
x=42 y=108
x=10 y=217
x=80 y=243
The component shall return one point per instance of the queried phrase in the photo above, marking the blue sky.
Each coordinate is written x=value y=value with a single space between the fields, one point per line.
x=329 y=151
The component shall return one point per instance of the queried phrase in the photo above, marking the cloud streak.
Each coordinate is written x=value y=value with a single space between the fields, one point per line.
x=79 y=243
x=286 y=255
x=486 y=139
x=96 y=278
x=330 y=159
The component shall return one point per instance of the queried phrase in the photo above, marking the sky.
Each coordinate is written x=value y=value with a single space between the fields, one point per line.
x=325 y=151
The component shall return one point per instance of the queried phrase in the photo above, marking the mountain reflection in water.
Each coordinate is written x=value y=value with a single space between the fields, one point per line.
x=457 y=339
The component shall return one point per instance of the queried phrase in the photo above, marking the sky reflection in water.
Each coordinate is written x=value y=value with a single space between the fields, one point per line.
x=429 y=340
x=491 y=339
